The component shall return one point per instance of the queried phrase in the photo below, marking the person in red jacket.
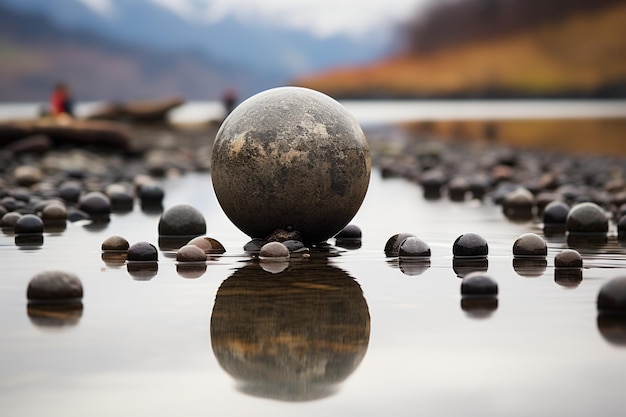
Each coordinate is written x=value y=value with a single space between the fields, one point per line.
x=61 y=101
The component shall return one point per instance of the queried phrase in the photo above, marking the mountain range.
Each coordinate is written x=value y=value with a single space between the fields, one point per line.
x=144 y=50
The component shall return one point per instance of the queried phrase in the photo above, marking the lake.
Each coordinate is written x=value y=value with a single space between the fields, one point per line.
x=348 y=331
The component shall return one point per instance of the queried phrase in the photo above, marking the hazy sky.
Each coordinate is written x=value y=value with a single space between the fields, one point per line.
x=321 y=17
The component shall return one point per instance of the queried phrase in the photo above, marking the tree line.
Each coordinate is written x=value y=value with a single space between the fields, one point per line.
x=448 y=23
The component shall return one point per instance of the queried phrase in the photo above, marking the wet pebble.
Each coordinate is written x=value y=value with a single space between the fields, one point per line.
x=190 y=253
x=612 y=297
x=351 y=231
x=54 y=287
x=274 y=250
x=587 y=217
x=10 y=219
x=207 y=244
x=142 y=252
x=568 y=258
x=479 y=284
x=458 y=188
x=392 y=246
x=115 y=243
x=555 y=213
x=29 y=224
x=181 y=220
x=96 y=204
x=27 y=175
x=470 y=245
x=432 y=182
x=151 y=194
x=54 y=212
x=413 y=248
x=70 y=191
x=530 y=245
x=519 y=204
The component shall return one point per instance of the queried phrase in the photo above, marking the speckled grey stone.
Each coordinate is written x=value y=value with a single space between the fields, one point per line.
x=190 y=253
x=182 y=220
x=587 y=218
x=530 y=245
x=290 y=158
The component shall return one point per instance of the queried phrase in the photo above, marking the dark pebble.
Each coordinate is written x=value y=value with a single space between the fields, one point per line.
x=351 y=231
x=392 y=246
x=142 y=252
x=70 y=191
x=587 y=217
x=151 y=194
x=413 y=248
x=555 y=213
x=182 y=220
x=54 y=287
x=612 y=297
x=621 y=228
x=568 y=258
x=29 y=224
x=458 y=188
x=470 y=245
x=96 y=204
x=74 y=214
x=479 y=284
x=530 y=245
x=254 y=246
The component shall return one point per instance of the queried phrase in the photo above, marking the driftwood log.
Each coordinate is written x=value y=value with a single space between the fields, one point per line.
x=77 y=132
x=148 y=111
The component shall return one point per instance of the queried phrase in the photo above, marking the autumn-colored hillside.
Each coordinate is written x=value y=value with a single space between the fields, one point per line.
x=582 y=54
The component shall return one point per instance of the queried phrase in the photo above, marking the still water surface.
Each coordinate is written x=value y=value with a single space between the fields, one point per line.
x=348 y=332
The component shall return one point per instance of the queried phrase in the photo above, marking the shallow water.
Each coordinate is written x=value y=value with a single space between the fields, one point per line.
x=346 y=332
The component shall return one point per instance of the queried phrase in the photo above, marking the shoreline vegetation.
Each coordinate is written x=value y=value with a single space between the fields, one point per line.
x=580 y=54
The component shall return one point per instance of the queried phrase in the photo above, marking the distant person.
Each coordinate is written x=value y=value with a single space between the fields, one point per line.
x=229 y=98
x=61 y=103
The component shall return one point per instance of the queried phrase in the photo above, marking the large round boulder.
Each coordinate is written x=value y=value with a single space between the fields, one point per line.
x=290 y=158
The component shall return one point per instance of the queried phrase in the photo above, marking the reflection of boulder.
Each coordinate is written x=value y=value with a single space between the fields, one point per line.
x=613 y=328
x=293 y=335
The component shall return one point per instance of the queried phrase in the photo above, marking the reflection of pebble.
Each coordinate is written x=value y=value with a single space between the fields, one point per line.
x=182 y=220
x=612 y=296
x=29 y=224
x=479 y=284
x=142 y=251
x=568 y=258
x=470 y=245
x=530 y=244
x=190 y=253
x=54 y=287
x=587 y=218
